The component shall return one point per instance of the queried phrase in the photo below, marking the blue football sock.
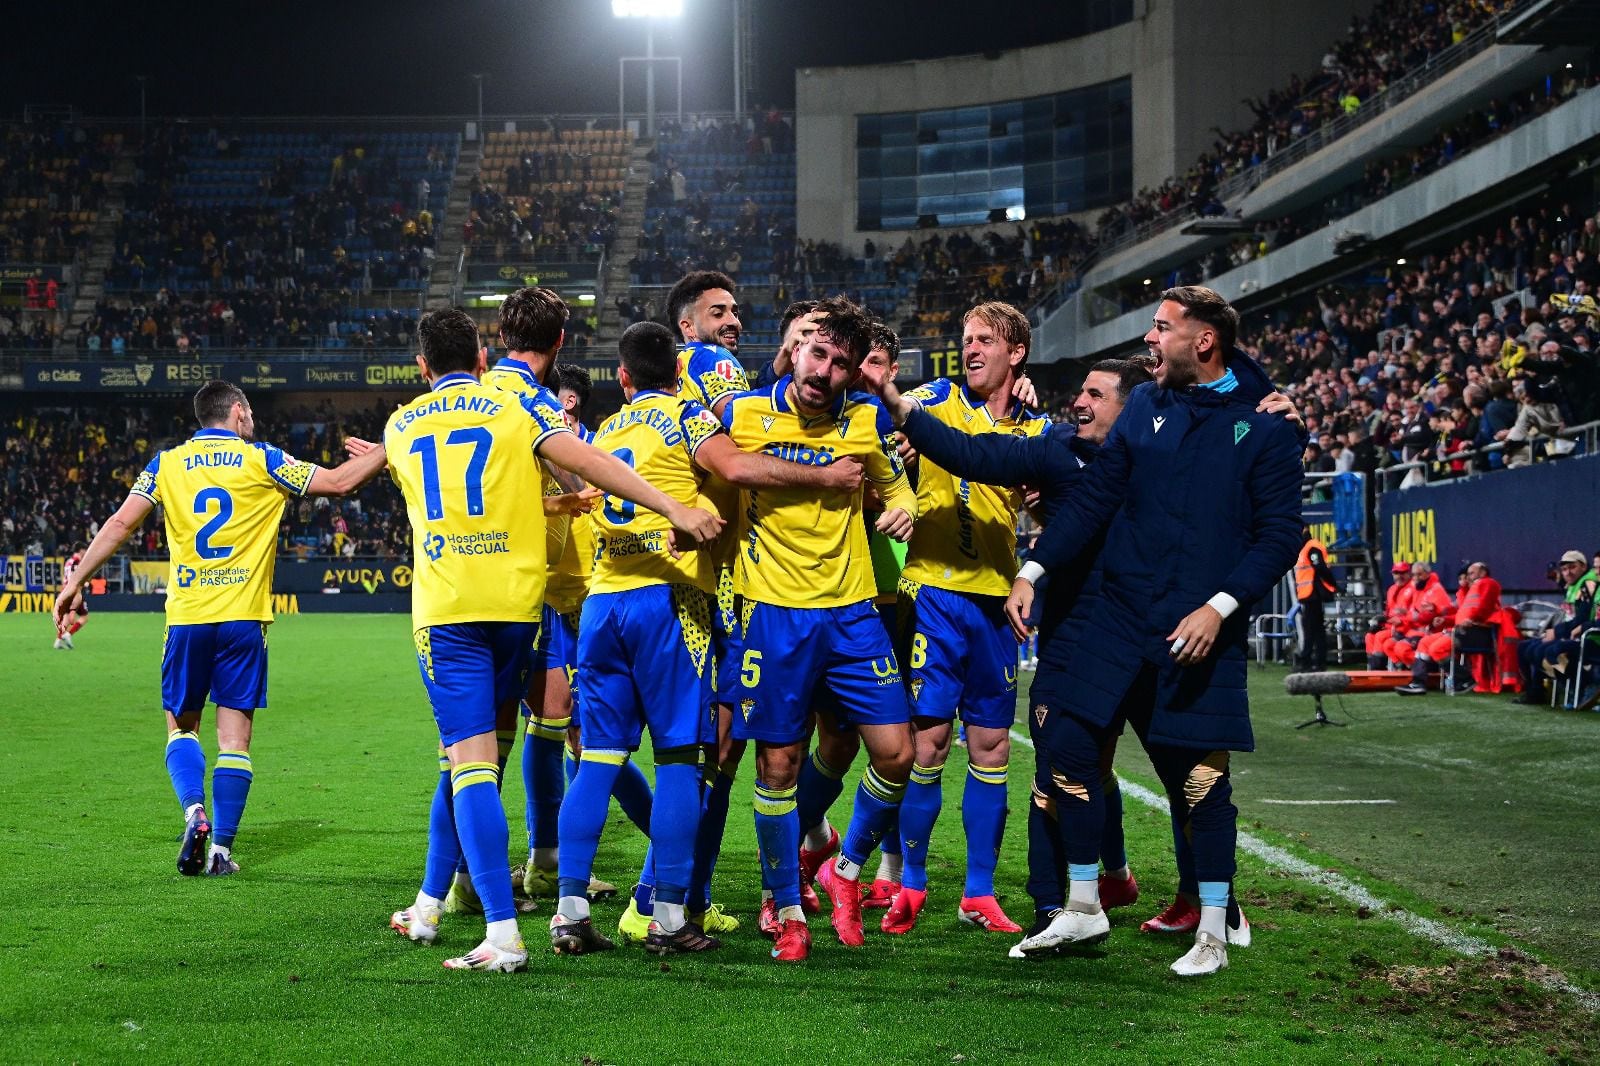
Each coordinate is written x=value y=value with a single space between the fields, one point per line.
x=983 y=817
x=542 y=777
x=708 y=841
x=1113 y=848
x=819 y=786
x=891 y=844
x=778 y=840
x=876 y=802
x=919 y=812
x=675 y=823
x=444 y=847
x=186 y=765
x=569 y=763
x=632 y=790
x=481 y=828
x=230 y=788
x=583 y=816
x=644 y=893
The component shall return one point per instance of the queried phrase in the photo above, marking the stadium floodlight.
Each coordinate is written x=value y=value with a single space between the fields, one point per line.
x=647 y=9
x=1016 y=213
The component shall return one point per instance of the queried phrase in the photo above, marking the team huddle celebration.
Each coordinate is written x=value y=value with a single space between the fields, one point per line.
x=808 y=565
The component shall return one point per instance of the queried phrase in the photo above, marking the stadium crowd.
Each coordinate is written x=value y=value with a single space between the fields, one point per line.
x=555 y=225
x=305 y=317
x=64 y=468
x=52 y=178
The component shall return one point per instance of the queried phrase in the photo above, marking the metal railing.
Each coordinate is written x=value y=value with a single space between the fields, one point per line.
x=1388 y=478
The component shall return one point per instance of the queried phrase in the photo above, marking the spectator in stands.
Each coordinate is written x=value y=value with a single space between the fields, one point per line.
x=1553 y=652
x=1537 y=416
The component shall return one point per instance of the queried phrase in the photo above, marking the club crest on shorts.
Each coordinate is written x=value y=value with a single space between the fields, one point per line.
x=916 y=689
x=747 y=705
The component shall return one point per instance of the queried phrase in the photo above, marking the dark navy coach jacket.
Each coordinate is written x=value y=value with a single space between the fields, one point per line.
x=1202 y=495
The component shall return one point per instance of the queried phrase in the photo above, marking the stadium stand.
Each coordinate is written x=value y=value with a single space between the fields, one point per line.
x=547 y=195
x=52 y=179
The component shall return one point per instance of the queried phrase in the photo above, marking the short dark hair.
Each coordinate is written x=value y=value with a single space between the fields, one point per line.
x=449 y=339
x=1130 y=375
x=847 y=323
x=649 y=354
x=689 y=289
x=571 y=377
x=531 y=320
x=792 y=312
x=213 y=401
x=1208 y=306
x=885 y=338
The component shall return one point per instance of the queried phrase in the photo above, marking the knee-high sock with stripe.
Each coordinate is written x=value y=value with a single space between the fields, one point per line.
x=924 y=797
x=675 y=823
x=542 y=776
x=444 y=847
x=481 y=828
x=230 y=789
x=983 y=817
x=583 y=817
x=186 y=766
x=876 y=801
x=778 y=840
x=708 y=841
x=819 y=786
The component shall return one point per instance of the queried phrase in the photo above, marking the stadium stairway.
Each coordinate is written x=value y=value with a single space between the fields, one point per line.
x=90 y=285
x=447 y=229
x=625 y=246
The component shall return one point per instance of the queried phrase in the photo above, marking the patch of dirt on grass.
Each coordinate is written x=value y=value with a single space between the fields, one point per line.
x=1499 y=999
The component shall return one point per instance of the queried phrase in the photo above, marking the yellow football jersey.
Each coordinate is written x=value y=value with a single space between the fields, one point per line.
x=707 y=373
x=464 y=456
x=222 y=497
x=513 y=375
x=656 y=434
x=966 y=535
x=803 y=547
x=569 y=577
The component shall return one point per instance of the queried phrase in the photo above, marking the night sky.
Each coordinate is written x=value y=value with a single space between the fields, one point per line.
x=406 y=57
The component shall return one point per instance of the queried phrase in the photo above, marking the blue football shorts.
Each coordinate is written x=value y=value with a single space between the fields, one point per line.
x=228 y=660
x=469 y=669
x=962 y=656
x=787 y=655
x=645 y=660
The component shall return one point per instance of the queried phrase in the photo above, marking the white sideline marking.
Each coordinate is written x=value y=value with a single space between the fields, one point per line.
x=1351 y=892
x=1325 y=803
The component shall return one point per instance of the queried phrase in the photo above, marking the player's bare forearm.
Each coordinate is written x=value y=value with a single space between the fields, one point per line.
x=347 y=477
x=751 y=471
x=116 y=531
x=607 y=472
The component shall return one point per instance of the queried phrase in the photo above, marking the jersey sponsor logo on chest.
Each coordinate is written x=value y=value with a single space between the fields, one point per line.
x=805 y=454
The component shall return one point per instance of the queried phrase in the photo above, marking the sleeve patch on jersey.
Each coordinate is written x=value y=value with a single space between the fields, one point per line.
x=699 y=426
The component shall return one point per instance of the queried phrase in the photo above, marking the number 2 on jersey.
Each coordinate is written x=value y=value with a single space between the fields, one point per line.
x=428 y=448
x=202 y=505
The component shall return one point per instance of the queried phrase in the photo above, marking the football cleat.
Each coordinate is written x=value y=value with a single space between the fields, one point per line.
x=1206 y=957
x=1118 y=892
x=985 y=913
x=417 y=923
x=492 y=957
x=767 y=921
x=845 y=894
x=1239 y=936
x=536 y=881
x=1413 y=689
x=1181 y=916
x=569 y=936
x=688 y=939
x=1040 y=923
x=879 y=894
x=66 y=641
x=811 y=861
x=793 y=943
x=60 y=644
x=808 y=898
x=196 y=840
x=633 y=927
x=599 y=889
x=1067 y=927
x=715 y=920
x=901 y=917
x=221 y=865
x=462 y=899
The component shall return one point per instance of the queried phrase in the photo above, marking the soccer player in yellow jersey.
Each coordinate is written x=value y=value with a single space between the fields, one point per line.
x=644 y=642
x=805 y=573
x=222 y=494
x=466 y=458
x=962 y=659
x=704 y=307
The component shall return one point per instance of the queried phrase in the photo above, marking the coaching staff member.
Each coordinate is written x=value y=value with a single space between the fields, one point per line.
x=1199 y=497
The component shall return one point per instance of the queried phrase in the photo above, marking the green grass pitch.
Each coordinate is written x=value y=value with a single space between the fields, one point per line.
x=107 y=954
